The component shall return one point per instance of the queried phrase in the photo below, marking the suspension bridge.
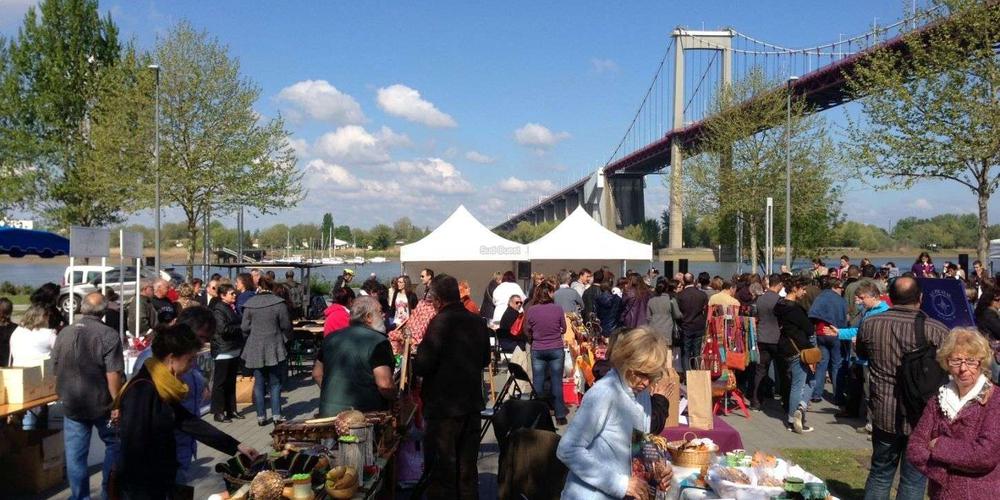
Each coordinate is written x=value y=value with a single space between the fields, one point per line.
x=673 y=113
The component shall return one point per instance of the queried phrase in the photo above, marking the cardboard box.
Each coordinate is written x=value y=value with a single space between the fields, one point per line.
x=26 y=383
x=36 y=461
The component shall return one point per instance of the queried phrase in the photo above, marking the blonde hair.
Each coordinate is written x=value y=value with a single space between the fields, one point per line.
x=463 y=289
x=640 y=350
x=185 y=291
x=968 y=341
x=35 y=318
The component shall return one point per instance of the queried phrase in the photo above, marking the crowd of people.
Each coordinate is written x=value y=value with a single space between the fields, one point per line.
x=840 y=333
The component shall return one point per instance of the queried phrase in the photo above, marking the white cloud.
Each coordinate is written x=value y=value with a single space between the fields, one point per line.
x=405 y=102
x=603 y=66
x=538 y=136
x=493 y=205
x=353 y=144
x=477 y=157
x=318 y=100
x=432 y=175
x=301 y=147
x=331 y=175
x=515 y=185
x=921 y=204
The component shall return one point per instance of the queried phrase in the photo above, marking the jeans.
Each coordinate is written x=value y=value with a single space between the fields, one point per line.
x=264 y=378
x=224 y=385
x=888 y=450
x=692 y=347
x=76 y=440
x=798 y=394
x=829 y=345
x=548 y=363
x=451 y=448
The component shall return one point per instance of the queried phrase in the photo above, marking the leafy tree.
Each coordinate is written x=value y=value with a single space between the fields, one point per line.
x=931 y=111
x=381 y=237
x=275 y=236
x=403 y=230
x=50 y=82
x=343 y=233
x=216 y=151
x=744 y=163
x=526 y=232
x=327 y=227
x=647 y=232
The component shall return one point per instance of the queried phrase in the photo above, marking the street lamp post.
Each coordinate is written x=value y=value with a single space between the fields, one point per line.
x=788 y=177
x=156 y=166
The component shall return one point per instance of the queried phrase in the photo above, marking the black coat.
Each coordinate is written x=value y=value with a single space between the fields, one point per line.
x=795 y=326
x=451 y=359
x=228 y=333
x=988 y=322
x=147 y=461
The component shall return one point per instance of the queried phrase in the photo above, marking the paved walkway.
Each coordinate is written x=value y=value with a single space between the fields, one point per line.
x=764 y=431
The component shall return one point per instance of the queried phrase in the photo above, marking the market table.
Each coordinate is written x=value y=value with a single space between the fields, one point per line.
x=723 y=434
x=13 y=408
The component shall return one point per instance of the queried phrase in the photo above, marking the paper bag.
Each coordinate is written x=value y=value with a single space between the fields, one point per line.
x=699 y=393
x=244 y=390
x=674 y=410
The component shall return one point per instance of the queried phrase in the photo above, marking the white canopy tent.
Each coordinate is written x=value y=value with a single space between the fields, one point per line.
x=464 y=248
x=580 y=241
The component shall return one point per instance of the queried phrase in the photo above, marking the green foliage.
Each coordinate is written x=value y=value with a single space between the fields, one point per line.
x=51 y=85
x=744 y=162
x=216 y=151
x=945 y=231
x=342 y=233
x=931 y=111
x=647 y=232
x=699 y=231
x=320 y=286
x=381 y=237
x=526 y=232
x=863 y=236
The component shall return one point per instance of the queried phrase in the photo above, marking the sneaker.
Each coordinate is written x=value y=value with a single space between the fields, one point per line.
x=221 y=418
x=797 y=421
x=805 y=429
x=816 y=400
x=279 y=420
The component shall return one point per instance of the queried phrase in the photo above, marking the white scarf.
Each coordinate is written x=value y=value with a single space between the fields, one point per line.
x=951 y=403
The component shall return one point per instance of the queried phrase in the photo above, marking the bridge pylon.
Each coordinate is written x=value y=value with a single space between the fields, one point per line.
x=685 y=40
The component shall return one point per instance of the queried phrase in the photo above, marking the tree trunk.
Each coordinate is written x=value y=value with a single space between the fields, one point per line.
x=983 y=246
x=192 y=227
x=753 y=244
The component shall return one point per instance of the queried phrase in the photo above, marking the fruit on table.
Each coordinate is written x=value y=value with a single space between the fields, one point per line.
x=340 y=480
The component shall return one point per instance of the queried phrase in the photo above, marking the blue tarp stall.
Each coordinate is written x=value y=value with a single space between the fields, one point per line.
x=20 y=242
x=945 y=301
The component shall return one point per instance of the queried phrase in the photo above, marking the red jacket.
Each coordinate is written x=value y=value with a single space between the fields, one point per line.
x=337 y=317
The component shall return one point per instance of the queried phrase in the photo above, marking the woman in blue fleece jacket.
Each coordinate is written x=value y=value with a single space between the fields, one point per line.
x=596 y=447
x=829 y=308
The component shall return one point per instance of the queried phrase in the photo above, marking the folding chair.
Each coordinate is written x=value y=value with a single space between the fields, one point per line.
x=510 y=388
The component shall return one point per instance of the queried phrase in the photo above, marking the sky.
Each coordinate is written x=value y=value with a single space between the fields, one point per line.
x=412 y=108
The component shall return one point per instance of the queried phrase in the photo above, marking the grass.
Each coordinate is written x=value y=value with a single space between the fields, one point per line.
x=844 y=471
x=18 y=300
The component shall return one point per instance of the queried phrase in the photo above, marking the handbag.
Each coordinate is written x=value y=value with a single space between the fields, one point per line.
x=809 y=356
x=517 y=328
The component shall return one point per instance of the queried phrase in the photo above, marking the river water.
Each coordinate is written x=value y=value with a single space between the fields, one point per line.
x=34 y=273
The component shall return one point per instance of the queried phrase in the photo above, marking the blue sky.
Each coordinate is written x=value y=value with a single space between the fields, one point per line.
x=407 y=108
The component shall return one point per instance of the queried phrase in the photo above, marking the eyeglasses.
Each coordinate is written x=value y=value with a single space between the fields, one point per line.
x=652 y=377
x=517 y=303
x=969 y=363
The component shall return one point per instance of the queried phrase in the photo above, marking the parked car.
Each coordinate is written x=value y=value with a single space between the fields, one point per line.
x=113 y=274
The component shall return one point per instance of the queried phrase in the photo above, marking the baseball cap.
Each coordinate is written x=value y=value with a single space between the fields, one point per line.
x=349 y=271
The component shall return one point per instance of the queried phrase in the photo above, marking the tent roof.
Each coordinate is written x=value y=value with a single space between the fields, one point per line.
x=580 y=237
x=20 y=242
x=462 y=238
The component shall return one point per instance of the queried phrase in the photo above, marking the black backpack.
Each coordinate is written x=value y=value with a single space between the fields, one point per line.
x=919 y=375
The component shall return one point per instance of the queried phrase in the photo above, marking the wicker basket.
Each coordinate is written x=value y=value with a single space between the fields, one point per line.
x=689 y=458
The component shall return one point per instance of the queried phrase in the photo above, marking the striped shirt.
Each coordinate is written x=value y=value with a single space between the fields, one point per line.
x=883 y=339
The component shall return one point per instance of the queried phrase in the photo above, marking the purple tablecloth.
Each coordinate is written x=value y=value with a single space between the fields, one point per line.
x=723 y=435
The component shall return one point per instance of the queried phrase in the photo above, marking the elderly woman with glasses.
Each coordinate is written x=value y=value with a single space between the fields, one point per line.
x=957 y=442
x=596 y=447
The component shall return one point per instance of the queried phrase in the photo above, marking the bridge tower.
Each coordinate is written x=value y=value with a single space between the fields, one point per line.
x=685 y=40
